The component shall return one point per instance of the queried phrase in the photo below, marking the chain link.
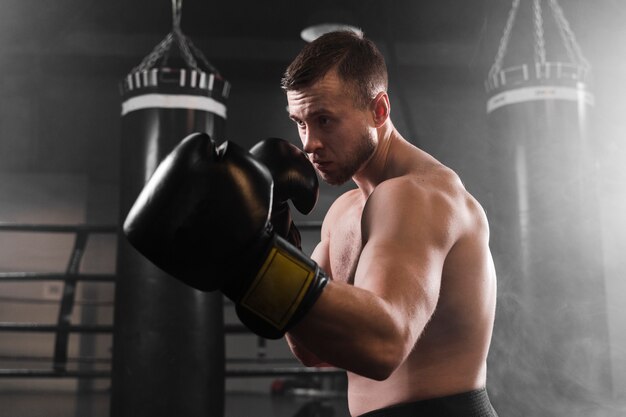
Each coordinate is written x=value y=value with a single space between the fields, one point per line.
x=177 y=7
x=156 y=54
x=184 y=48
x=573 y=48
x=504 y=40
x=540 y=42
x=189 y=52
x=571 y=45
x=201 y=57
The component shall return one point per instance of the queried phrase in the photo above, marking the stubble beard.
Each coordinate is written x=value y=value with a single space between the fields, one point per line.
x=357 y=158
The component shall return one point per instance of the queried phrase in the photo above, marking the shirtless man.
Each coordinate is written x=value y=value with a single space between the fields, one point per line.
x=410 y=310
x=401 y=290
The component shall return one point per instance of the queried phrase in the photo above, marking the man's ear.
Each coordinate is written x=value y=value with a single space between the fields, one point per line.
x=380 y=108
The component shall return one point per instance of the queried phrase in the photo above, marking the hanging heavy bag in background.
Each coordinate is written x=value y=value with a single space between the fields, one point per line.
x=168 y=346
x=550 y=344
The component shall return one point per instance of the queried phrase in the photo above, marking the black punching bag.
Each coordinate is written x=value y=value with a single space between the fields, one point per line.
x=550 y=347
x=168 y=346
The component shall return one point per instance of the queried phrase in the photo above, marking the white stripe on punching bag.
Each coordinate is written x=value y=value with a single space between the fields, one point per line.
x=545 y=92
x=174 y=101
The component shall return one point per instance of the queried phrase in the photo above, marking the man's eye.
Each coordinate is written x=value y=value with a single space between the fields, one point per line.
x=324 y=121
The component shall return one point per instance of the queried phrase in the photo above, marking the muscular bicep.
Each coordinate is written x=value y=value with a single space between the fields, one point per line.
x=321 y=255
x=406 y=280
x=405 y=245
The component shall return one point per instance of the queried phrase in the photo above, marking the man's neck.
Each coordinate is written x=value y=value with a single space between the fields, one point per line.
x=376 y=169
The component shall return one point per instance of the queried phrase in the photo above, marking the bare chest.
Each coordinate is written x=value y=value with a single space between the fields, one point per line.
x=345 y=246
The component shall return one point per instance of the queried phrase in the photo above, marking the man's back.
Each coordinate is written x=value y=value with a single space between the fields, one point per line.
x=450 y=354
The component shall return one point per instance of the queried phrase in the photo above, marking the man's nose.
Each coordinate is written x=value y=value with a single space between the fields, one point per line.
x=310 y=142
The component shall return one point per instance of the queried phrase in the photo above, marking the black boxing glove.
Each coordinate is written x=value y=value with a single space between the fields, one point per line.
x=203 y=217
x=294 y=179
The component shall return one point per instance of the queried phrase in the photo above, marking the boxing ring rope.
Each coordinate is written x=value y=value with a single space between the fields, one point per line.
x=52 y=276
x=70 y=279
x=63 y=327
x=230 y=373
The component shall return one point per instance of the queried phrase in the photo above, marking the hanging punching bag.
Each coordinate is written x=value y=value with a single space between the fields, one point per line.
x=550 y=345
x=168 y=346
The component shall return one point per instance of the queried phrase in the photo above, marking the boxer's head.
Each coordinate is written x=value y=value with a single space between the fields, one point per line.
x=357 y=61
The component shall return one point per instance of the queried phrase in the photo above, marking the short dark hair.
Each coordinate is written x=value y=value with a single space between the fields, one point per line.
x=356 y=58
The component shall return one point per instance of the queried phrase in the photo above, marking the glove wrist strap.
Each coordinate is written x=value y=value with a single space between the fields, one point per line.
x=284 y=289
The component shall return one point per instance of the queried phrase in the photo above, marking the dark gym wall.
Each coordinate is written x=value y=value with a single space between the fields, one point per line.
x=60 y=105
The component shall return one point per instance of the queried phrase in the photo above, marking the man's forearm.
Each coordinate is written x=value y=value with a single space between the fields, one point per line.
x=305 y=356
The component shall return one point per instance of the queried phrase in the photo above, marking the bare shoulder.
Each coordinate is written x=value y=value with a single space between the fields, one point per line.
x=433 y=198
x=344 y=200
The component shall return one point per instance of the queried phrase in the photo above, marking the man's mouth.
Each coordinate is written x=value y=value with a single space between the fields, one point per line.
x=320 y=164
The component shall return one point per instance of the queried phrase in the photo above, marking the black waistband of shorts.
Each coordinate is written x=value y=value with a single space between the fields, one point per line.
x=467 y=404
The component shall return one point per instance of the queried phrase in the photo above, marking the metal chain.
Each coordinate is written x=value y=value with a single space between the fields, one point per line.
x=566 y=41
x=177 y=7
x=540 y=43
x=201 y=57
x=156 y=54
x=188 y=51
x=573 y=49
x=182 y=41
x=504 y=41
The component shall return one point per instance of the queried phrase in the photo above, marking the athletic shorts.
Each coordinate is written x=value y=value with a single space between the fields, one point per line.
x=468 y=404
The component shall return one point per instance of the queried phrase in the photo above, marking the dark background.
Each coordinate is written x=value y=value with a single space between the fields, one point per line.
x=61 y=62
